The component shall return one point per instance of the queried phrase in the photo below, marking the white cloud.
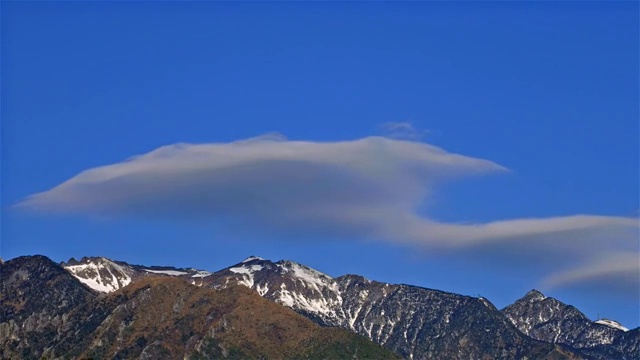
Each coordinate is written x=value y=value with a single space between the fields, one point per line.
x=366 y=188
x=266 y=171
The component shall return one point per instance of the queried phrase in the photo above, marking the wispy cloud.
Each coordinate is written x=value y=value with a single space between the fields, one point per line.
x=622 y=269
x=367 y=188
x=402 y=130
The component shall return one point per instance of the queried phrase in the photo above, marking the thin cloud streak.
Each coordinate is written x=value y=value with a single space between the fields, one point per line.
x=368 y=188
x=622 y=267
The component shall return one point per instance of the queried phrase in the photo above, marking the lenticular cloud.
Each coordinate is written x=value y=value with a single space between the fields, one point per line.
x=267 y=174
x=365 y=188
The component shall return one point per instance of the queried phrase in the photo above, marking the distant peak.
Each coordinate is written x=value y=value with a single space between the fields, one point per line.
x=90 y=260
x=354 y=277
x=71 y=261
x=86 y=259
x=251 y=258
x=534 y=295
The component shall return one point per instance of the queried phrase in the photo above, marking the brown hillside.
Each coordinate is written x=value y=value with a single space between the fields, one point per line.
x=169 y=318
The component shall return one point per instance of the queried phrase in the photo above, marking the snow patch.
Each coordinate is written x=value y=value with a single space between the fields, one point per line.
x=363 y=294
x=201 y=274
x=246 y=269
x=612 y=324
x=262 y=290
x=247 y=274
x=95 y=284
x=166 y=272
x=286 y=298
x=353 y=317
x=90 y=275
x=313 y=278
x=320 y=306
x=485 y=302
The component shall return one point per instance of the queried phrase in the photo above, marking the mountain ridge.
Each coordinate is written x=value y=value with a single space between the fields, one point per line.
x=51 y=314
x=550 y=320
x=412 y=321
x=364 y=306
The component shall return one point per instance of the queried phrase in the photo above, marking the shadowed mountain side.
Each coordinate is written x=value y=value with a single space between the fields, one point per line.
x=35 y=284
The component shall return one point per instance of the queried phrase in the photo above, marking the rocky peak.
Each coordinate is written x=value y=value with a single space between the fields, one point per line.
x=252 y=258
x=99 y=273
x=71 y=261
x=533 y=296
x=548 y=319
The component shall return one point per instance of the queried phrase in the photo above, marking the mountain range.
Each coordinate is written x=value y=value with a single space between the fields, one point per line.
x=101 y=308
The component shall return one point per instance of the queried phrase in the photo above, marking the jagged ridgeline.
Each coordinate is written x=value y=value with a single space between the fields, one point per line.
x=244 y=311
x=47 y=313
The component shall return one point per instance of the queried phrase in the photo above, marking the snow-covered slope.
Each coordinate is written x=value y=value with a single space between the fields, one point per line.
x=611 y=323
x=100 y=274
x=288 y=283
x=105 y=275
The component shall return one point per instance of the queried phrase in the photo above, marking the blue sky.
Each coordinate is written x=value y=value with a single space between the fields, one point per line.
x=541 y=100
